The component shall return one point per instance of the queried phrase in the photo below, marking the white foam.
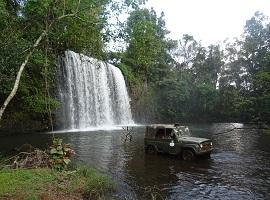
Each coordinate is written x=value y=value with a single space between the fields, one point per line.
x=99 y=128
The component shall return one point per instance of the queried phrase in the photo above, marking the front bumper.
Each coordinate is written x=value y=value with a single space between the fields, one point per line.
x=204 y=152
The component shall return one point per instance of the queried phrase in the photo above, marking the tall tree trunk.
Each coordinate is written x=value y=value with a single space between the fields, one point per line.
x=19 y=74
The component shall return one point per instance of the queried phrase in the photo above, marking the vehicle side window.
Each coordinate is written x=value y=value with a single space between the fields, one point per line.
x=163 y=133
x=160 y=134
x=169 y=133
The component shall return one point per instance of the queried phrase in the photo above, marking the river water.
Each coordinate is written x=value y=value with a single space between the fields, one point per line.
x=239 y=167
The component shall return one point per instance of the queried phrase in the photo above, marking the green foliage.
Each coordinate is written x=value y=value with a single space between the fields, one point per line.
x=96 y=184
x=45 y=183
x=60 y=154
x=127 y=73
x=147 y=45
x=262 y=96
x=202 y=83
x=3 y=14
x=173 y=97
x=14 y=182
x=21 y=24
x=39 y=103
x=204 y=101
x=168 y=80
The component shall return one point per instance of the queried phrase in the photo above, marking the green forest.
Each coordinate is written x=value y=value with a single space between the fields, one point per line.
x=168 y=80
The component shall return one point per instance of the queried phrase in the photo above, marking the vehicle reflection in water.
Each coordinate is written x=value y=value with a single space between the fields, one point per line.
x=239 y=167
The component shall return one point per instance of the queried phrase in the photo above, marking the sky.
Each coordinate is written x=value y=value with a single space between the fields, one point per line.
x=210 y=21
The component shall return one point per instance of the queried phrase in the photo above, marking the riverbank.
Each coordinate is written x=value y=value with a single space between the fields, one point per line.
x=45 y=183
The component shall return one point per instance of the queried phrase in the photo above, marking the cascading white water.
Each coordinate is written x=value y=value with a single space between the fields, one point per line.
x=92 y=93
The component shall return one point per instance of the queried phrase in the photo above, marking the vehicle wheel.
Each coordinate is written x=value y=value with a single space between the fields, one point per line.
x=151 y=150
x=188 y=154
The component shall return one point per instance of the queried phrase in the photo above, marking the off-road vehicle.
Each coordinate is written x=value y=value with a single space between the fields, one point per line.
x=176 y=140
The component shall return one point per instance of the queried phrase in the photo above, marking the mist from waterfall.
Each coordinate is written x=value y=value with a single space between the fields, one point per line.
x=92 y=93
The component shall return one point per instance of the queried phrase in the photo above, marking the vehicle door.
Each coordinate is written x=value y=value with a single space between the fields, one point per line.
x=173 y=146
x=170 y=143
x=160 y=139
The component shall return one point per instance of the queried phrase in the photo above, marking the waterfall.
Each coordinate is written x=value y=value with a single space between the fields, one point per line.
x=92 y=93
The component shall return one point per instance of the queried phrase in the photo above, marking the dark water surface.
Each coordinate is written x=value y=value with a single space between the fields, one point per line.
x=239 y=167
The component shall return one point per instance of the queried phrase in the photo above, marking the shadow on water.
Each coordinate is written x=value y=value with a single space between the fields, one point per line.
x=239 y=167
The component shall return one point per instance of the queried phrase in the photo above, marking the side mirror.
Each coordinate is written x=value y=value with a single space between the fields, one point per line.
x=172 y=143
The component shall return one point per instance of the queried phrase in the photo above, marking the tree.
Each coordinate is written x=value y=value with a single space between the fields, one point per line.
x=232 y=72
x=261 y=84
x=186 y=51
x=247 y=71
x=55 y=25
x=147 y=45
x=256 y=44
x=173 y=96
x=147 y=58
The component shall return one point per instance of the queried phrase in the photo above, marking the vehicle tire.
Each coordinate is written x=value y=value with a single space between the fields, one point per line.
x=188 y=155
x=151 y=149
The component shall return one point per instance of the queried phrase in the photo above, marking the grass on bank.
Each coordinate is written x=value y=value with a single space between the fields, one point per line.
x=45 y=183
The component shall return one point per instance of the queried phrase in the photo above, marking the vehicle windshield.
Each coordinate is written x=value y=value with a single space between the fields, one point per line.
x=181 y=131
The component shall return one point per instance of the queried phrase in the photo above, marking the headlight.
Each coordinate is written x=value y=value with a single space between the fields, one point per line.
x=211 y=144
x=201 y=146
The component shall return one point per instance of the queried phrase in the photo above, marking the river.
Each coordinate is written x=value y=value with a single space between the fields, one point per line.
x=239 y=167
